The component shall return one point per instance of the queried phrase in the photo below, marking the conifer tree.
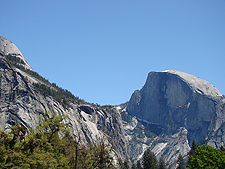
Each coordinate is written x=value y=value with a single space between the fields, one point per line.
x=149 y=160
x=102 y=151
x=207 y=157
x=133 y=166
x=125 y=165
x=139 y=165
x=50 y=145
x=192 y=152
x=161 y=164
x=180 y=162
x=222 y=148
x=194 y=146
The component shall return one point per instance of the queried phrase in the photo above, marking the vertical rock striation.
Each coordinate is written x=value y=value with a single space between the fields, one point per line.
x=171 y=110
x=22 y=102
x=176 y=100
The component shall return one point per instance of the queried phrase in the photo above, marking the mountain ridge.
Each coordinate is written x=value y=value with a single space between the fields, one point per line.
x=170 y=110
x=25 y=95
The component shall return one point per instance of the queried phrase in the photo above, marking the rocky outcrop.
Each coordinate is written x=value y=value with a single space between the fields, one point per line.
x=171 y=110
x=7 y=47
x=22 y=102
x=142 y=135
x=175 y=100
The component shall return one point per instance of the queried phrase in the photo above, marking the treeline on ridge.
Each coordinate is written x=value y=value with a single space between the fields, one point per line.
x=47 y=88
x=61 y=95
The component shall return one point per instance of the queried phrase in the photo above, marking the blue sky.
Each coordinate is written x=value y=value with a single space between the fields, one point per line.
x=102 y=50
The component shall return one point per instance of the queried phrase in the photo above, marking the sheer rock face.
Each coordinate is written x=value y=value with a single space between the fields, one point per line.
x=175 y=100
x=21 y=103
x=175 y=106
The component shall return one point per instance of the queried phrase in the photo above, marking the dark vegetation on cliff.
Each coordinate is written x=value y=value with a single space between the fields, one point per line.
x=63 y=96
x=47 y=88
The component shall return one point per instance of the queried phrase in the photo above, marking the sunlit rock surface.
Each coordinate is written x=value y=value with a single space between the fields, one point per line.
x=171 y=110
x=21 y=103
x=7 y=47
x=183 y=107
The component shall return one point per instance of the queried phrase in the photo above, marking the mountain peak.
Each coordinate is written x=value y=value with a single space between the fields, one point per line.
x=8 y=48
x=180 y=107
x=196 y=84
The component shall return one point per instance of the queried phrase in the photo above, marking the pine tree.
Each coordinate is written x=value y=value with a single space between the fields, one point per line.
x=208 y=157
x=102 y=157
x=222 y=148
x=180 y=162
x=161 y=164
x=192 y=152
x=125 y=165
x=139 y=165
x=36 y=149
x=149 y=160
x=194 y=146
x=50 y=145
x=133 y=166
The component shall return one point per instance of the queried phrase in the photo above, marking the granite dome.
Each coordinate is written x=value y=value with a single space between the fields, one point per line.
x=7 y=47
x=196 y=84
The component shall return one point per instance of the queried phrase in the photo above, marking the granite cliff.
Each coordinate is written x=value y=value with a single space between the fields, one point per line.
x=176 y=107
x=25 y=95
x=170 y=110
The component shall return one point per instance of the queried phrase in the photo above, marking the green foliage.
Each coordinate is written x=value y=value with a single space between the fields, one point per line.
x=139 y=165
x=106 y=106
x=192 y=152
x=126 y=117
x=102 y=158
x=50 y=146
x=19 y=63
x=139 y=132
x=47 y=88
x=194 y=146
x=207 y=157
x=222 y=148
x=161 y=164
x=180 y=162
x=13 y=60
x=149 y=134
x=149 y=160
x=61 y=95
x=124 y=165
x=133 y=166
